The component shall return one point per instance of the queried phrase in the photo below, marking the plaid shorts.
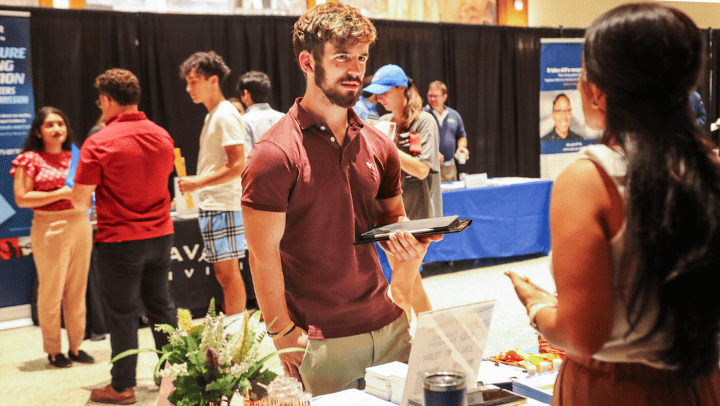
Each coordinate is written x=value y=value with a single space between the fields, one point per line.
x=223 y=233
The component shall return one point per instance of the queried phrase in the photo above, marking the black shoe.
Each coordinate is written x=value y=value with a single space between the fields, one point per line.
x=97 y=337
x=60 y=361
x=81 y=357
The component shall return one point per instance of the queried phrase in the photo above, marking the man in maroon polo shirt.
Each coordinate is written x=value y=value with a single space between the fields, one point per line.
x=127 y=164
x=312 y=184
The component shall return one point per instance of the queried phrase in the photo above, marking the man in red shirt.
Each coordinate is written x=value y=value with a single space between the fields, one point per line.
x=315 y=181
x=127 y=164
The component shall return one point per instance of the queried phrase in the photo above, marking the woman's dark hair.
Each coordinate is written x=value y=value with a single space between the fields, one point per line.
x=35 y=143
x=412 y=109
x=647 y=58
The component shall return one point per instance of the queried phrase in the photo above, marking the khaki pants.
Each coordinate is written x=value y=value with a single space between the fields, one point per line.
x=335 y=364
x=61 y=244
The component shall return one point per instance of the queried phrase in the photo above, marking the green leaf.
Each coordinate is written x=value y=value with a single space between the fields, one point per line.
x=267 y=327
x=266 y=376
x=165 y=328
x=134 y=351
x=223 y=385
x=186 y=399
x=211 y=308
x=192 y=343
x=176 y=357
x=196 y=358
x=159 y=363
x=255 y=317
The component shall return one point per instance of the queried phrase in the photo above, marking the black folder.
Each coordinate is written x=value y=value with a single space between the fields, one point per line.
x=418 y=228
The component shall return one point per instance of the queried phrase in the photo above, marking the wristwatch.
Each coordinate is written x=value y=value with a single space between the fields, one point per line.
x=534 y=308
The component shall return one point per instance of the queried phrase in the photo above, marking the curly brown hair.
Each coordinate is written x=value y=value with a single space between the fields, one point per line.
x=337 y=23
x=205 y=63
x=120 y=85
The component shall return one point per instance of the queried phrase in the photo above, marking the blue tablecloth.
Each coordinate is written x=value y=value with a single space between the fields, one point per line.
x=508 y=220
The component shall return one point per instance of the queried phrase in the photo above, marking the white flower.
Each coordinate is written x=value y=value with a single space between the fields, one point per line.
x=177 y=338
x=238 y=369
x=212 y=332
x=174 y=370
x=230 y=349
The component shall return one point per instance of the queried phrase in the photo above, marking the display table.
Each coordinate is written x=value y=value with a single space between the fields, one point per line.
x=508 y=220
x=489 y=374
x=511 y=217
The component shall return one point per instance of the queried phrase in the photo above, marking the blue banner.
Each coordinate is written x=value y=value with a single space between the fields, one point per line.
x=562 y=123
x=17 y=108
x=560 y=64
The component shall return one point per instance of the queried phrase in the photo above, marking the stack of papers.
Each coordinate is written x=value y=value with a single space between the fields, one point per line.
x=386 y=381
x=397 y=386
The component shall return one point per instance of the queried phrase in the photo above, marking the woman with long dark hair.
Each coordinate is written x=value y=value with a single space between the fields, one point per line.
x=61 y=236
x=417 y=140
x=636 y=225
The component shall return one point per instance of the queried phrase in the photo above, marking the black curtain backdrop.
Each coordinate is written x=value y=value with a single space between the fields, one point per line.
x=492 y=72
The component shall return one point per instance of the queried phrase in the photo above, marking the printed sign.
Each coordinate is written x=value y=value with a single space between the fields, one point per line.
x=17 y=107
x=447 y=340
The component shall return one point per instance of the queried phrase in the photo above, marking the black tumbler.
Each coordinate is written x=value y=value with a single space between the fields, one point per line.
x=445 y=389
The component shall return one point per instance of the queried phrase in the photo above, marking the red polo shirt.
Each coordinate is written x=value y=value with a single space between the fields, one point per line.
x=130 y=161
x=328 y=191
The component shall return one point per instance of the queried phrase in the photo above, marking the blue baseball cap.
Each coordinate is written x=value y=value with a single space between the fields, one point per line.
x=385 y=78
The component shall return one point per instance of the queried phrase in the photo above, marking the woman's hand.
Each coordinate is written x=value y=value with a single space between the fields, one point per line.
x=528 y=292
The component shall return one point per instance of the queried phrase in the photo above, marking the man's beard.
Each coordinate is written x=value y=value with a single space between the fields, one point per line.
x=335 y=96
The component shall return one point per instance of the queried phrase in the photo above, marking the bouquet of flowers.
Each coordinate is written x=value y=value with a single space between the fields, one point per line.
x=209 y=365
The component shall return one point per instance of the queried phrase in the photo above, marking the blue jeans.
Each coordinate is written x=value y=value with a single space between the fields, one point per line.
x=132 y=273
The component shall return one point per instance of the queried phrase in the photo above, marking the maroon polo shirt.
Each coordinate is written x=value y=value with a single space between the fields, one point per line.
x=130 y=161
x=327 y=191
